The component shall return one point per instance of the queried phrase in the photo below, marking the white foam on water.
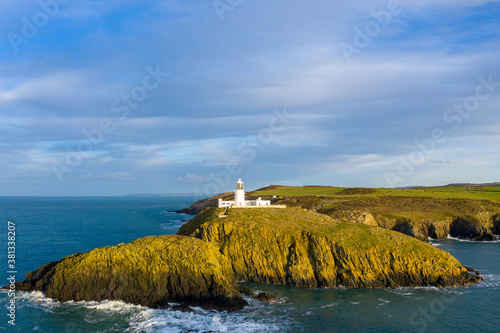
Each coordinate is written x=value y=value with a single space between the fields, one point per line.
x=37 y=299
x=329 y=305
x=35 y=296
x=112 y=307
x=167 y=321
x=142 y=319
x=471 y=241
x=186 y=216
x=402 y=291
x=172 y=224
x=178 y=220
x=490 y=281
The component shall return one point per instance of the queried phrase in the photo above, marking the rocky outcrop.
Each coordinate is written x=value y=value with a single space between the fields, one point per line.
x=496 y=224
x=462 y=228
x=297 y=247
x=265 y=297
x=417 y=231
x=439 y=229
x=424 y=217
x=199 y=266
x=151 y=271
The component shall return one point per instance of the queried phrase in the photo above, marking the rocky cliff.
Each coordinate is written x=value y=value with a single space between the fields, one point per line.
x=423 y=217
x=297 y=247
x=151 y=271
x=291 y=246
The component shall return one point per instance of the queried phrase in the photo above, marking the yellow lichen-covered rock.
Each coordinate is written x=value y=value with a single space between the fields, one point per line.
x=150 y=271
x=301 y=248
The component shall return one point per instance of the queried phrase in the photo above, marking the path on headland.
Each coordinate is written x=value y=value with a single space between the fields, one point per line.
x=328 y=201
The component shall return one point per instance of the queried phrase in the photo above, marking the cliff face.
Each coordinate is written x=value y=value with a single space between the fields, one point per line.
x=150 y=271
x=423 y=217
x=301 y=248
x=290 y=246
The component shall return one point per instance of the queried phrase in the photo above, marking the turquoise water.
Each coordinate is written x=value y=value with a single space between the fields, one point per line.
x=48 y=229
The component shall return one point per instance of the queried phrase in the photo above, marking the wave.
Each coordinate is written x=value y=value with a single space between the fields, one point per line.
x=200 y=320
x=329 y=305
x=172 y=224
x=176 y=220
x=490 y=281
x=171 y=213
x=35 y=299
x=471 y=241
x=143 y=319
x=112 y=306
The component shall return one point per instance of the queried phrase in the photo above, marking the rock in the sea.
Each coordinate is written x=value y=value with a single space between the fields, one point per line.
x=245 y=290
x=265 y=297
x=181 y=308
x=150 y=271
x=298 y=247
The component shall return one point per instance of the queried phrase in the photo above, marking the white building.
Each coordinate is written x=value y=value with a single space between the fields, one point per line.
x=239 y=199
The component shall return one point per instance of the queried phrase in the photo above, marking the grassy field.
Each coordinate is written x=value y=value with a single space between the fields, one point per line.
x=420 y=212
x=294 y=191
x=491 y=193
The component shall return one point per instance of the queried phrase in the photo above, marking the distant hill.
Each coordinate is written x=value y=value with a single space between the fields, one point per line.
x=473 y=184
x=154 y=195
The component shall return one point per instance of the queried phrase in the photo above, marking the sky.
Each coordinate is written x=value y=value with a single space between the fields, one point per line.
x=103 y=97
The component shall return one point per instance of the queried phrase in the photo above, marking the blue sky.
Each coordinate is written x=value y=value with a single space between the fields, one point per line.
x=116 y=97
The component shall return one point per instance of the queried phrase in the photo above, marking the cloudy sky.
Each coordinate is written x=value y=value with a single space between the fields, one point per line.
x=103 y=97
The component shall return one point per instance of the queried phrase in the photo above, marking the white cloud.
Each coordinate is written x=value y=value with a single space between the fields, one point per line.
x=122 y=176
x=56 y=90
x=194 y=178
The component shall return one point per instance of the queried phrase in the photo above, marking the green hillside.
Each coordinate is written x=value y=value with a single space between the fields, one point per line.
x=443 y=192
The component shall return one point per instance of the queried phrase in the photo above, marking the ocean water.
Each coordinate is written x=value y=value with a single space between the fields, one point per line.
x=48 y=229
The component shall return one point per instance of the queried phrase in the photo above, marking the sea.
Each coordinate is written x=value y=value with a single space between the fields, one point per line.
x=46 y=229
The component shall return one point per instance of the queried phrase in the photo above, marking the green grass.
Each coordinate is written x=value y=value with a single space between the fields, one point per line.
x=294 y=191
x=491 y=193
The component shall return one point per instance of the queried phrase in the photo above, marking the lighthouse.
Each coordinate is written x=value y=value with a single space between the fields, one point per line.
x=240 y=202
x=239 y=194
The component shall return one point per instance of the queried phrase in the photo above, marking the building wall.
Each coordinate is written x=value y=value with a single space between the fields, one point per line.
x=258 y=202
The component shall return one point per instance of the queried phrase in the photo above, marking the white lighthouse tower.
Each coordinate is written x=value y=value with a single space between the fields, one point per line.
x=239 y=194
x=240 y=202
